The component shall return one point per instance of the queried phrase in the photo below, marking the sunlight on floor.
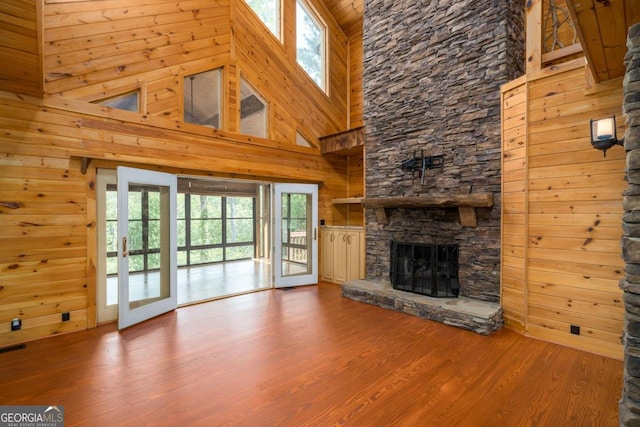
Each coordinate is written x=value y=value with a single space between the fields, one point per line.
x=198 y=283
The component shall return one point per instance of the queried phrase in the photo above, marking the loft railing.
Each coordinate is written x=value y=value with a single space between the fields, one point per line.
x=559 y=34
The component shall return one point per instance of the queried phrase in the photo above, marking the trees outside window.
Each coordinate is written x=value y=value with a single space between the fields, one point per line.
x=239 y=228
x=210 y=229
x=269 y=13
x=311 y=43
x=294 y=227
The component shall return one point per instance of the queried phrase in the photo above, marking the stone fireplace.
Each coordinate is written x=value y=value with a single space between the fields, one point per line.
x=432 y=77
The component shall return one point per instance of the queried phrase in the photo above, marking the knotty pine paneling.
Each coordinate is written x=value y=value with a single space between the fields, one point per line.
x=19 y=47
x=270 y=67
x=48 y=231
x=513 y=239
x=571 y=218
x=97 y=49
x=93 y=50
x=356 y=72
x=43 y=254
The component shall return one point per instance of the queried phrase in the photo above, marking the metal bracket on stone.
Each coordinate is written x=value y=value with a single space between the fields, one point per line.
x=421 y=164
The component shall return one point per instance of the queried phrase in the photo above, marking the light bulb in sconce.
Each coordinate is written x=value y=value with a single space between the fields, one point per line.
x=603 y=134
x=604 y=128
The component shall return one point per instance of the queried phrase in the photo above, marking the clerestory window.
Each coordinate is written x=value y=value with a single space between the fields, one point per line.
x=127 y=101
x=203 y=98
x=311 y=35
x=269 y=13
x=253 y=111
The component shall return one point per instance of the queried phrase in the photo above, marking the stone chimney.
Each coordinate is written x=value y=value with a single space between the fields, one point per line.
x=432 y=76
x=630 y=403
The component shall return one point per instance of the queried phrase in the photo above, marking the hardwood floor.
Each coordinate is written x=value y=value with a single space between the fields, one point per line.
x=308 y=357
x=200 y=282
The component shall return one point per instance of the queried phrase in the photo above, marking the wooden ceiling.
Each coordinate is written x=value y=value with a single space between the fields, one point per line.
x=347 y=13
x=602 y=30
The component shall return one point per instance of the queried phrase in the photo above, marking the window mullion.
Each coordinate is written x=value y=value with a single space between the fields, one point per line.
x=187 y=226
x=223 y=206
x=145 y=228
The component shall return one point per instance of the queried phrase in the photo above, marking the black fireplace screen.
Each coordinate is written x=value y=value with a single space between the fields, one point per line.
x=425 y=269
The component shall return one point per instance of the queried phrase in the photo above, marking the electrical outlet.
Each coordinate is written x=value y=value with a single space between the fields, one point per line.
x=16 y=324
x=66 y=316
x=575 y=329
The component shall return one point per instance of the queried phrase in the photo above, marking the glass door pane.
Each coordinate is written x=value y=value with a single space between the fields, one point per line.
x=147 y=249
x=296 y=239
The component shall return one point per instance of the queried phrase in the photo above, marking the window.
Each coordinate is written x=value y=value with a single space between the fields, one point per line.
x=205 y=229
x=127 y=101
x=211 y=229
x=253 y=112
x=302 y=141
x=310 y=43
x=294 y=217
x=202 y=98
x=239 y=225
x=269 y=13
x=144 y=219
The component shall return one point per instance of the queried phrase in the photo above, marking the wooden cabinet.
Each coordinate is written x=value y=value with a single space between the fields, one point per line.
x=343 y=254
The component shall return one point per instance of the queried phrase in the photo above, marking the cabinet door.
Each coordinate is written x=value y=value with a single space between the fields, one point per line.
x=340 y=258
x=328 y=249
x=363 y=255
x=353 y=255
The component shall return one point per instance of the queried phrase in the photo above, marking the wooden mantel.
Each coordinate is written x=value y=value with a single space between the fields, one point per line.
x=466 y=204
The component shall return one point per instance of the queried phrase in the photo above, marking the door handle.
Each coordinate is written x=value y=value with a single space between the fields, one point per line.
x=124 y=247
x=315 y=233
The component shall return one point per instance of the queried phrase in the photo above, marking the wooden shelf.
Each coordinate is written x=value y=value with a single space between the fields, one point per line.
x=347 y=200
x=345 y=143
x=466 y=204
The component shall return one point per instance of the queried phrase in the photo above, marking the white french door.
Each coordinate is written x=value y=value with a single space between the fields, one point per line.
x=144 y=294
x=295 y=260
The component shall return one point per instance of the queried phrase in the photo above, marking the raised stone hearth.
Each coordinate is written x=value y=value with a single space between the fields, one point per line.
x=482 y=317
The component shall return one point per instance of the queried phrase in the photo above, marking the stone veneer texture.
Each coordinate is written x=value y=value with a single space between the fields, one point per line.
x=630 y=402
x=432 y=77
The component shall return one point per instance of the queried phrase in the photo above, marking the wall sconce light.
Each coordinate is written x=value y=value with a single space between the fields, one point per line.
x=603 y=134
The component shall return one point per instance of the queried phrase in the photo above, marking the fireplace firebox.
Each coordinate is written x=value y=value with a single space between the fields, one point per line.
x=425 y=269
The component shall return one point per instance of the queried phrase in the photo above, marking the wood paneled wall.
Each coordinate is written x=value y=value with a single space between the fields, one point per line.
x=356 y=72
x=514 y=178
x=96 y=49
x=19 y=47
x=271 y=67
x=562 y=211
